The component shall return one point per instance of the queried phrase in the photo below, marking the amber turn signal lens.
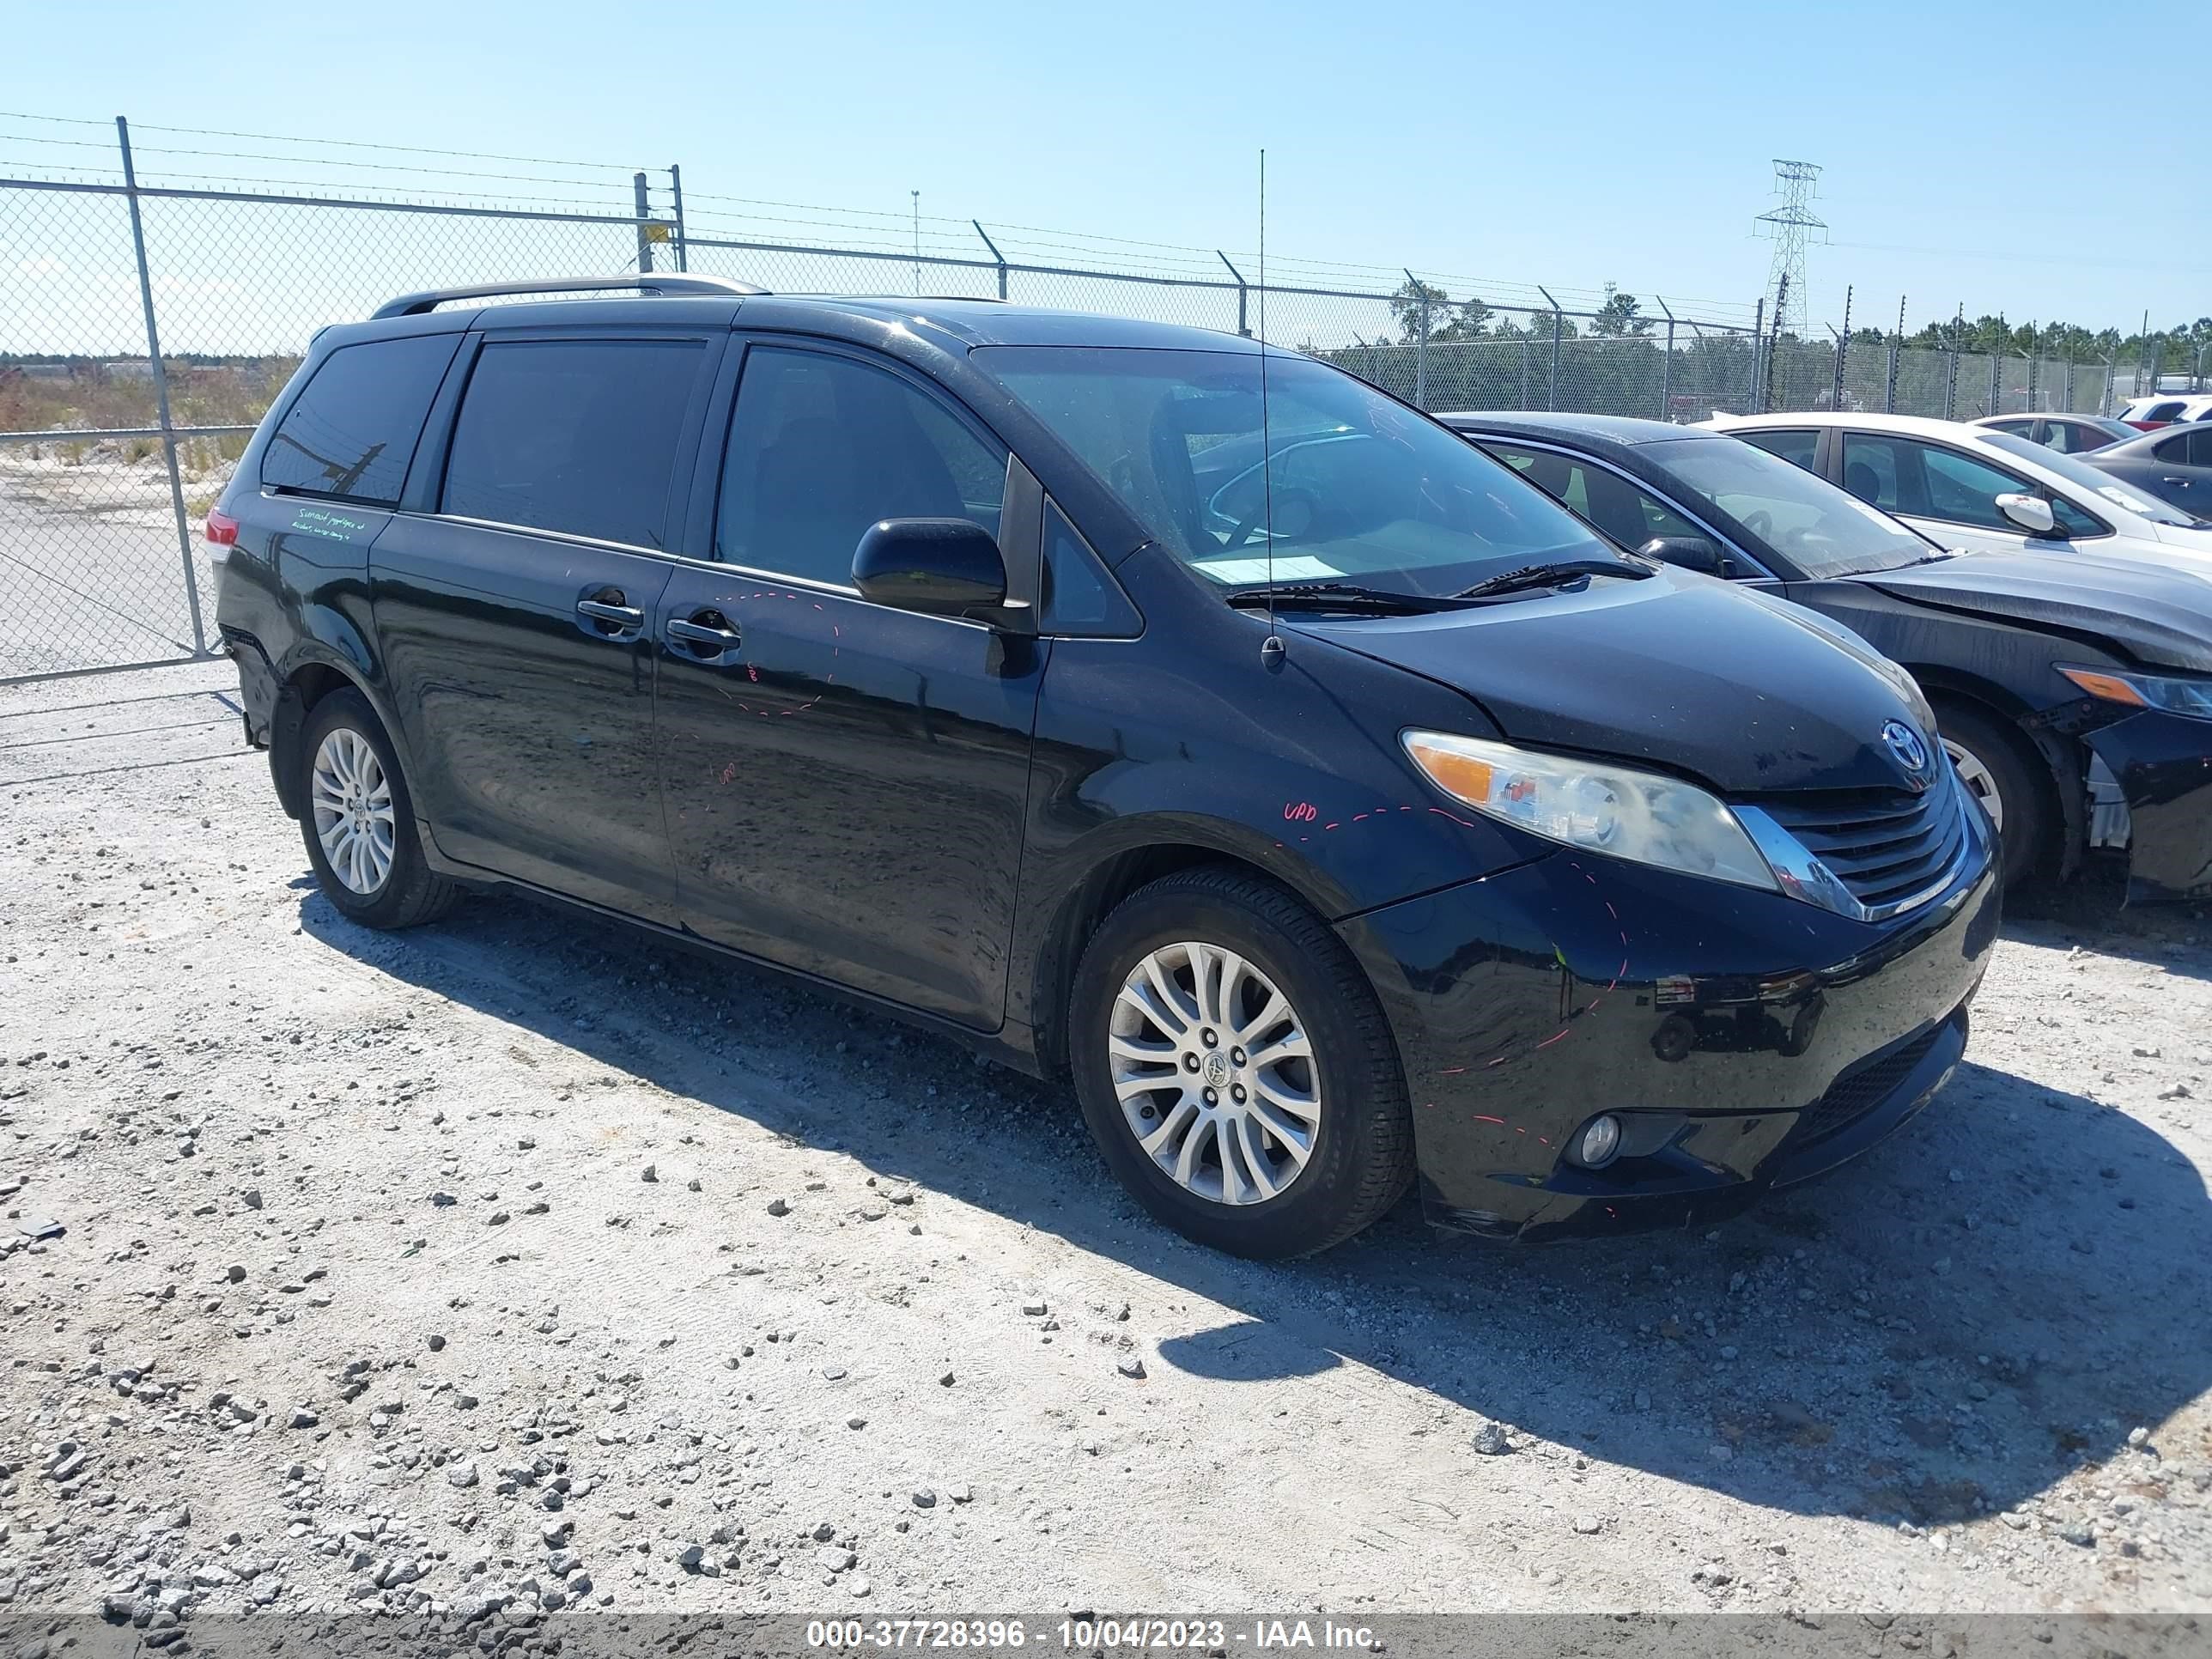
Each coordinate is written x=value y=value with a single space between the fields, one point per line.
x=2105 y=688
x=1454 y=773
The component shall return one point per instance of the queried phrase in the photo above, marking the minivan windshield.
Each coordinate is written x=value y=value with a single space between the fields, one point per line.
x=1365 y=490
x=1825 y=531
x=2102 y=485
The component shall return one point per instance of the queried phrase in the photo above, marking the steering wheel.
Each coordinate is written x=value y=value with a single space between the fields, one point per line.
x=1296 y=508
x=1759 y=523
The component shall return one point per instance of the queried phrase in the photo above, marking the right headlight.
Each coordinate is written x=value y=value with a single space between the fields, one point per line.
x=2191 y=698
x=1594 y=805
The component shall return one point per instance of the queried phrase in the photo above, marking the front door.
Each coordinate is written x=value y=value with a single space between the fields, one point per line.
x=1947 y=496
x=845 y=783
x=519 y=618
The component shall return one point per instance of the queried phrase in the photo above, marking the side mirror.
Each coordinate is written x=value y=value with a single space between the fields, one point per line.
x=1688 y=552
x=2029 y=513
x=938 y=567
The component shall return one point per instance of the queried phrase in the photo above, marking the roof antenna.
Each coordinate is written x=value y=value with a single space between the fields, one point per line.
x=1271 y=648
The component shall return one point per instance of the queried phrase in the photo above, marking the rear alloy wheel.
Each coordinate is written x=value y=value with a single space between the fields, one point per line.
x=1235 y=1067
x=1995 y=766
x=358 y=822
x=351 y=799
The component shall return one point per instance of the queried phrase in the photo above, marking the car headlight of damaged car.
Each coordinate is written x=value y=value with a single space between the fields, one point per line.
x=2191 y=698
x=1594 y=805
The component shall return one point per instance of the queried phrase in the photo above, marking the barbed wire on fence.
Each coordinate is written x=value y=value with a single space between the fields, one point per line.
x=149 y=312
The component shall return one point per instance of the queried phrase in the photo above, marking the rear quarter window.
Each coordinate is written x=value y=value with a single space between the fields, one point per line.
x=1795 y=444
x=351 y=431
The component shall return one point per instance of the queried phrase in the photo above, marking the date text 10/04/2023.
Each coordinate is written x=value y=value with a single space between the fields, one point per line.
x=1197 y=1635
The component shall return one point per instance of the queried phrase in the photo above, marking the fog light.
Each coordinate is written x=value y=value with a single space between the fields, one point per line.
x=1599 y=1140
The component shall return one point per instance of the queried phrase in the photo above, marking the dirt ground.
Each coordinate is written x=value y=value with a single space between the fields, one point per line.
x=516 y=1263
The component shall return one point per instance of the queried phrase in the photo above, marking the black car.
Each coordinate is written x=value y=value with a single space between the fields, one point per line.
x=2174 y=463
x=2075 y=694
x=1369 y=820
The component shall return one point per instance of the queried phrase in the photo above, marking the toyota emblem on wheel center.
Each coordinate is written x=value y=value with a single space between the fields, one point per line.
x=1911 y=753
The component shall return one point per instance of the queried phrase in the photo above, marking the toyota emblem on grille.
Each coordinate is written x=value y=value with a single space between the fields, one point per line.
x=1911 y=753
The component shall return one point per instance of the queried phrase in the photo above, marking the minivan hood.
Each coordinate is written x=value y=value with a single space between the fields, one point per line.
x=2155 y=613
x=1749 y=695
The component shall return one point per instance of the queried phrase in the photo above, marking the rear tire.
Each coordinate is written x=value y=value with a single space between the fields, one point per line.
x=358 y=820
x=2000 y=769
x=1307 y=1137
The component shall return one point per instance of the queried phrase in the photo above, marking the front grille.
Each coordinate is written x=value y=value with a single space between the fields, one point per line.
x=1855 y=1094
x=1885 y=845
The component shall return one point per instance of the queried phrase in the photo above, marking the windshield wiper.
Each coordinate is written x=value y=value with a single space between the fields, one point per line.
x=1342 y=596
x=1558 y=575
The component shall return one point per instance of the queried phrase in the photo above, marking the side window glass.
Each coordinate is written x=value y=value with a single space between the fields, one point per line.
x=822 y=446
x=574 y=435
x=2200 y=446
x=1872 y=473
x=1080 y=596
x=351 y=431
x=2173 y=450
x=1555 y=474
x=1965 y=491
x=1794 y=444
x=2073 y=521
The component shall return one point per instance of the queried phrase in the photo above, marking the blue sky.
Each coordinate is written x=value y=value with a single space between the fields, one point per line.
x=1568 y=146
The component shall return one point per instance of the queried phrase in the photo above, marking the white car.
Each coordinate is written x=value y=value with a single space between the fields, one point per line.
x=2166 y=409
x=1980 y=489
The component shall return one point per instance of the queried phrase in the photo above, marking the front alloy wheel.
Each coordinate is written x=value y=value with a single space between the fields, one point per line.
x=1981 y=783
x=1215 y=1073
x=1235 y=1067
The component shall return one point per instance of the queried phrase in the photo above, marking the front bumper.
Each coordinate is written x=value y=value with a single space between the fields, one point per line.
x=2162 y=765
x=1746 y=1040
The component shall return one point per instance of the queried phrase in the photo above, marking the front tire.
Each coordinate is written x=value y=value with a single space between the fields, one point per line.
x=1236 y=1069
x=359 y=823
x=1994 y=763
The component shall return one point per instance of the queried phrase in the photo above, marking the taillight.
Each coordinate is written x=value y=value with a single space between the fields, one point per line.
x=221 y=530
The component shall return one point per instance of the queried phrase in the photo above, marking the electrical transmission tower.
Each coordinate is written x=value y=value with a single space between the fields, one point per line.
x=1789 y=226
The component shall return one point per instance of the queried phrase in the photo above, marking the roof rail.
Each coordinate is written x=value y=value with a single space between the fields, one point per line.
x=415 y=305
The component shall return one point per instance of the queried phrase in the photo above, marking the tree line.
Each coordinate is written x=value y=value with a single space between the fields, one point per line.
x=1621 y=316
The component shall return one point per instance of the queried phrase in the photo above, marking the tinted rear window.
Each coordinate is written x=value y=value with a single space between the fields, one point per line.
x=1794 y=444
x=352 y=431
x=574 y=435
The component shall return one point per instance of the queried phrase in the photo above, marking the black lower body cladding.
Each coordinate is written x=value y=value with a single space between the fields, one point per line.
x=1742 y=1040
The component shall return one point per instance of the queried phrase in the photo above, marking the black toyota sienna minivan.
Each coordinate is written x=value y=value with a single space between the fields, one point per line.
x=1330 y=806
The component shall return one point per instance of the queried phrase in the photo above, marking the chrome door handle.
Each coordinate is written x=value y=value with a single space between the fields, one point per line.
x=701 y=637
x=620 y=615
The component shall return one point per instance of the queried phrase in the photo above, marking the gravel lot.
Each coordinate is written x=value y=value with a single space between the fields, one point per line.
x=517 y=1261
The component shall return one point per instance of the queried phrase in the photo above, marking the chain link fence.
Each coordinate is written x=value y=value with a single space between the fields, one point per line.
x=144 y=331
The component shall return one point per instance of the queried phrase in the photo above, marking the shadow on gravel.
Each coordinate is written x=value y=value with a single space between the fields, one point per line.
x=2091 y=910
x=1942 y=1329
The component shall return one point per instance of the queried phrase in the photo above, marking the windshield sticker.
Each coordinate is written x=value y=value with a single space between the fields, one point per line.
x=331 y=526
x=1303 y=567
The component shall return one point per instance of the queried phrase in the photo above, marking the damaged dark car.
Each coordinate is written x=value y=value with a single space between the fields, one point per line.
x=2074 y=693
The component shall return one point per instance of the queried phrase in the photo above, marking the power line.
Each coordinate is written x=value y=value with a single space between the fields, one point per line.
x=347 y=143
